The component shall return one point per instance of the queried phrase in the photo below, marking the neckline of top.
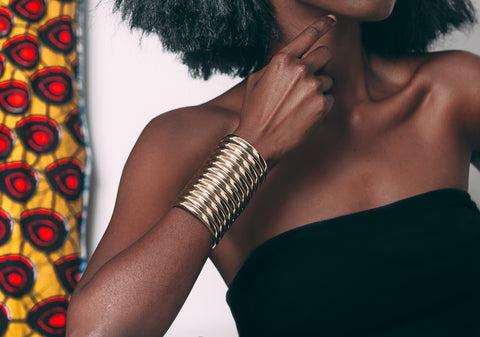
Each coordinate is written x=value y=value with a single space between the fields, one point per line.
x=429 y=198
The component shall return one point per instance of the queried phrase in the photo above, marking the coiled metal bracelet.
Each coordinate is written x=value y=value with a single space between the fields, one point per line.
x=224 y=185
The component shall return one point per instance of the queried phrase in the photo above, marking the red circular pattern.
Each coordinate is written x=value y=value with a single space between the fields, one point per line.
x=5 y=318
x=68 y=270
x=40 y=134
x=18 y=180
x=6 y=227
x=45 y=229
x=5 y=22
x=14 y=97
x=53 y=85
x=66 y=177
x=49 y=316
x=2 y=65
x=6 y=142
x=23 y=51
x=74 y=125
x=29 y=10
x=17 y=275
x=58 y=34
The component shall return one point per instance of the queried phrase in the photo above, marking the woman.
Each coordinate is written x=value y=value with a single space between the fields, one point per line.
x=368 y=140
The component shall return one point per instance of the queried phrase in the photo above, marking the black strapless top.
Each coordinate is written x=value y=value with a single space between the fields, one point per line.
x=407 y=269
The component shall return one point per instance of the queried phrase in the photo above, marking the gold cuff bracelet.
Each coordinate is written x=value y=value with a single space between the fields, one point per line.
x=224 y=186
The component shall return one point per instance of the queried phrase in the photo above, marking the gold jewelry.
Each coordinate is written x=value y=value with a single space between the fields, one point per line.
x=224 y=186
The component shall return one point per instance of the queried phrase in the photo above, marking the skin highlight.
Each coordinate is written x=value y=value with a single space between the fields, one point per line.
x=343 y=131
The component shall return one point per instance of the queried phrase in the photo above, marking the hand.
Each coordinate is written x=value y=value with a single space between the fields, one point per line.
x=285 y=99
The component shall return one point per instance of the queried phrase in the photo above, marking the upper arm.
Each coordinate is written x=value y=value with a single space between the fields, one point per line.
x=458 y=73
x=471 y=117
x=167 y=153
x=468 y=78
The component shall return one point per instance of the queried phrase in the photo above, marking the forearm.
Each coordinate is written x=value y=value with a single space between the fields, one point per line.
x=140 y=291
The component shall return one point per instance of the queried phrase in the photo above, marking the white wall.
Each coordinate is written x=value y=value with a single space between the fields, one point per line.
x=129 y=83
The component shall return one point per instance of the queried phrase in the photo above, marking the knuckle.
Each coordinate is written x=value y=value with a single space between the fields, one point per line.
x=301 y=69
x=281 y=59
x=312 y=31
x=312 y=83
x=322 y=105
x=327 y=83
x=325 y=51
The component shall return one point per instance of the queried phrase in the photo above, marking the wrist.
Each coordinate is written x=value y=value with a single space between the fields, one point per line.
x=224 y=185
x=253 y=138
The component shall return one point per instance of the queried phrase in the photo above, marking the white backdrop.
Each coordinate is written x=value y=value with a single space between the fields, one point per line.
x=128 y=83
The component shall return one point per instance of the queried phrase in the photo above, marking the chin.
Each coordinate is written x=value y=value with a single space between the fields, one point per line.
x=380 y=12
x=362 y=10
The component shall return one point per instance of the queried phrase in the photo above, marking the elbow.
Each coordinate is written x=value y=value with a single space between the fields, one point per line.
x=80 y=321
x=90 y=316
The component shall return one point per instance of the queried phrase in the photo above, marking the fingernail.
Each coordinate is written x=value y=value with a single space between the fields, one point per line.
x=333 y=18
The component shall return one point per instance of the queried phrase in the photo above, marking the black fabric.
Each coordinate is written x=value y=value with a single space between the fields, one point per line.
x=407 y=269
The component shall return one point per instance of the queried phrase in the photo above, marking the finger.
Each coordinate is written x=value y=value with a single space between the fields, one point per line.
x=326 y=83
x=318 y=58
x=306 y=39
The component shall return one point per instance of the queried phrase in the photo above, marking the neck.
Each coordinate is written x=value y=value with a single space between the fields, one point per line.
x=349 y=61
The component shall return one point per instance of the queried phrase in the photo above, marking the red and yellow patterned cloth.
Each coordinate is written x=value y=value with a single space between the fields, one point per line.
x=42 y=165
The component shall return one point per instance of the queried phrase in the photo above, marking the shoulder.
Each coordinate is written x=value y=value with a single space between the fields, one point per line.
x=454 y=81
x=189 y=134
x=454 y=58
x=449 y=65
x=174 y=144
x=190 y=125
x=455 y=71
x=169 y=151
x=186 y=135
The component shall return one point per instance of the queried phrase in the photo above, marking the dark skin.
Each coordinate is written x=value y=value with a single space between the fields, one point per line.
x=342 y=131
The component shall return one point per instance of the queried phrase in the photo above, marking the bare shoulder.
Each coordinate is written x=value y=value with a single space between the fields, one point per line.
x=172 y=147
x=175 y=143
x=454 y=77
x=188 y=130
x=457 y=59
x=170 y=150
x=185 y=137
x=455 y=71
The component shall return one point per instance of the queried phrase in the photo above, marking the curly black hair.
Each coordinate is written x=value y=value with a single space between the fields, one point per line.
x=233 y=36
